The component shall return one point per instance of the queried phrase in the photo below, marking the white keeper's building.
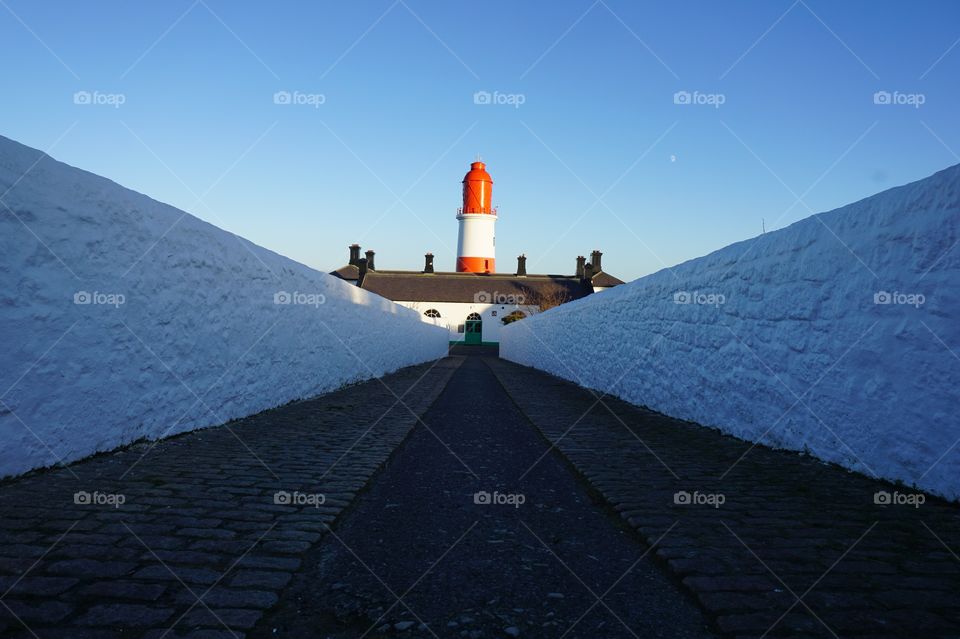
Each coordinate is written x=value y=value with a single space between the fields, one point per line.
x=475 y=302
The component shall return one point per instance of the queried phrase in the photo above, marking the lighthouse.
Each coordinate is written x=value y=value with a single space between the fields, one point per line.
x=476 y=241
x=475 y=302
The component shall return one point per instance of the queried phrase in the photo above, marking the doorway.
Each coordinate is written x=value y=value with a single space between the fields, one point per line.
x=473 y=329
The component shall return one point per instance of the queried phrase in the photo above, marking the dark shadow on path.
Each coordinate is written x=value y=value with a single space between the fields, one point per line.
x=456 y=539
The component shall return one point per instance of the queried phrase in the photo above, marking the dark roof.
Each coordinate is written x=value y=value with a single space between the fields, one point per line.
x=605 y=280
x=411 y=286
x=348 y=272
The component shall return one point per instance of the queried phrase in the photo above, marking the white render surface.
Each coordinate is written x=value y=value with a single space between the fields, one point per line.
x=124 y=318
x=454 y=314
x=838 y=335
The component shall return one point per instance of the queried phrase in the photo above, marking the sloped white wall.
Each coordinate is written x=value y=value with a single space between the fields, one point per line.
x=123 y=318
x=785 y=338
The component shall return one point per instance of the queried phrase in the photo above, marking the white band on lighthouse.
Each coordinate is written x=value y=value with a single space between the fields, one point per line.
x=476 y=240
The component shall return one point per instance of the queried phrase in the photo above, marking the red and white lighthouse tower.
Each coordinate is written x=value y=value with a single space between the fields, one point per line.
x=476 y=242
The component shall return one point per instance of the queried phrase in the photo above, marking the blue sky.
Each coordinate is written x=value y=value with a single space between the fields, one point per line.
x=598 y=155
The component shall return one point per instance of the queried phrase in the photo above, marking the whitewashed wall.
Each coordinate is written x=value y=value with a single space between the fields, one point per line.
x=839 y=335
x=123 y=318
x=454 y=314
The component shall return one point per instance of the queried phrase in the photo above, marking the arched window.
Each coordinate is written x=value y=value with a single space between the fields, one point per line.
x=432 y=312
x=474 y=317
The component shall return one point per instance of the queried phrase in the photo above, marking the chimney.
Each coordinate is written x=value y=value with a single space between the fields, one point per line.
x=521 y=265
x=362 y=267
x=588 y=272
x=580 y=262
x=595 y=260
x=428 y=263
x=369 y=255
x=354 y=254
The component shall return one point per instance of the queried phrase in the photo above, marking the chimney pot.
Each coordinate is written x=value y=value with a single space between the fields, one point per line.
x=370 y=266
x=428 y=263
x=362 y=268
x=521 y=265
x=581 y=260
x=595 y=260
x=588 y=272
x=354 y=254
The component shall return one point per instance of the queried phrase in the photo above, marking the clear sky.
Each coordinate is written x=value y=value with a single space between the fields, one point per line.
x=582 y=135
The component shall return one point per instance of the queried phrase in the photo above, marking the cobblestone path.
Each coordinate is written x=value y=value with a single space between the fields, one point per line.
x=419 y=557
x=199 y=543
x=244 y=531
x=797 y=548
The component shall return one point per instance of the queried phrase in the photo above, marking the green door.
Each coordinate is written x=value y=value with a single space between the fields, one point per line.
x=473 y=330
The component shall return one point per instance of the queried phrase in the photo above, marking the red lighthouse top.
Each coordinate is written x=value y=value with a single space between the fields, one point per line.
x=477 y=189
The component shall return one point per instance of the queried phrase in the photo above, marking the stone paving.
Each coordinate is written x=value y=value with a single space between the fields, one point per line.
x=217 y=533
x=771 y=543
x=417 y=556
x=200 y=532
